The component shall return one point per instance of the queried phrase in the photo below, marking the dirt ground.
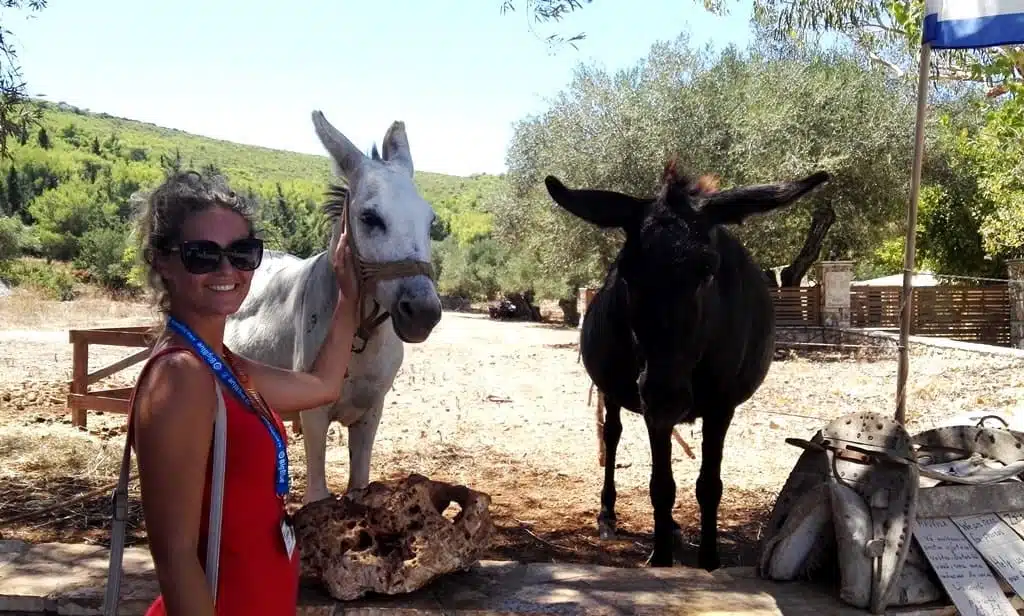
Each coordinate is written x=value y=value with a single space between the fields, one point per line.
x=500 y=407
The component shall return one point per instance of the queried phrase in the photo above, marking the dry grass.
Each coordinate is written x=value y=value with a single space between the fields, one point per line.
x=43 y=452
x=26 y=310
x=47 y=468
x=500 y=407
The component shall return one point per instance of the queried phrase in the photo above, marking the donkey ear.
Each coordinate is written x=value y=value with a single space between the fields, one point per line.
x=736 y=205
x=347 y=156
x=604 y=208
x=396 y=146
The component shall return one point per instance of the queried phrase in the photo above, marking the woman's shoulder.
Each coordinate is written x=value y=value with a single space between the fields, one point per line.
x=176 y=381
x=175 y=364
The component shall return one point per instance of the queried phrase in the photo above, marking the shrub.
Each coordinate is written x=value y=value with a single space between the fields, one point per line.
x=102 y=252
x=14 y=237
x=53 y=280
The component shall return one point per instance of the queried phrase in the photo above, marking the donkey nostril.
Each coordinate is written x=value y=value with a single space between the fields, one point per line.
x=405 y=308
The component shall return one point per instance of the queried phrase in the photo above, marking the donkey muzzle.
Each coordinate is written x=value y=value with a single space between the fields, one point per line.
x=416 y=309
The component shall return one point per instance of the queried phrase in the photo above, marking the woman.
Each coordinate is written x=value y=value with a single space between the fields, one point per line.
x=198 y=241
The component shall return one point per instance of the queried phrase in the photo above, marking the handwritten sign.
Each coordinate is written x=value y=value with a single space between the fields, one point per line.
x=998 y=543
x=969 y=582
x=1014 y=519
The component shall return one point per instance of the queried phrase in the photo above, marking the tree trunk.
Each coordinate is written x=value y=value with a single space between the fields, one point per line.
x=515 y=306
x=821 y=221
x=570 y=315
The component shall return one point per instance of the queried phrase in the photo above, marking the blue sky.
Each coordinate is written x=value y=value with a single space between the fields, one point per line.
x=459 y=73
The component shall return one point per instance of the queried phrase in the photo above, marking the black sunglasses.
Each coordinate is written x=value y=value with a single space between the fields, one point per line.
x=203 y=256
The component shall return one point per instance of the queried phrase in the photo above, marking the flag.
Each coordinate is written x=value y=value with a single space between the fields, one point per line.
x=964 y=24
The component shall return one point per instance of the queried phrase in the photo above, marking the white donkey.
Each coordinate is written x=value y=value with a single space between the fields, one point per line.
x=283 y=320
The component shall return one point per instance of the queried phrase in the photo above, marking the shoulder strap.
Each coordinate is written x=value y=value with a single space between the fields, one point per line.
x=220 y=434
x=119 y=505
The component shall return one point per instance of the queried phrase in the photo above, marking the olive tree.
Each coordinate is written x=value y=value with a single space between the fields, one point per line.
x=747 y=116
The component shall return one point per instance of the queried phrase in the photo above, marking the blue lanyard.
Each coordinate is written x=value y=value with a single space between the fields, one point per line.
x=282 y=481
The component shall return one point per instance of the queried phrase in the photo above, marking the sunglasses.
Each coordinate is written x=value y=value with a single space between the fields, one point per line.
x=204 y=256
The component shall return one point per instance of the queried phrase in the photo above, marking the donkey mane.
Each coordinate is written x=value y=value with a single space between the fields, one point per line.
x=675 y=181
x=334 y=205
x=338 y=194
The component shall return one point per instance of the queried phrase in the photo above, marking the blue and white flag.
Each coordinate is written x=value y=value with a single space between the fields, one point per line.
x=965 y=24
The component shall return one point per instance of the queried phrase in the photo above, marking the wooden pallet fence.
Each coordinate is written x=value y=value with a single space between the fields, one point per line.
x=797 y=306
x=875 y=306
x=971 y=314
x=80 y=400
x=794 y=306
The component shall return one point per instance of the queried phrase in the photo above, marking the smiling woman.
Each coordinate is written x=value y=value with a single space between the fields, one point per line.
x=206 y=287
x=182 y=210
x=200 y=247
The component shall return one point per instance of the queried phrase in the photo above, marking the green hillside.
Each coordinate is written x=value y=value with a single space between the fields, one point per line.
x=244 y=165
x=143 y=141
x=65 y=195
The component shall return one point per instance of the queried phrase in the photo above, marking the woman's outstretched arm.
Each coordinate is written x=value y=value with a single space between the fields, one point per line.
x=175 y=411
x=289 y=390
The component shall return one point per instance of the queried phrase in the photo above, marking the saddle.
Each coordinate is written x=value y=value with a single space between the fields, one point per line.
x=853 y=495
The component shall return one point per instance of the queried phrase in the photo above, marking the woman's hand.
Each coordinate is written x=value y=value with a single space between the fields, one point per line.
x=345 y=272
x=287 y=390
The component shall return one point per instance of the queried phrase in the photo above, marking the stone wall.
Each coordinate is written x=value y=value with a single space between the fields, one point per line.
x=829 y=338
x=836 y=277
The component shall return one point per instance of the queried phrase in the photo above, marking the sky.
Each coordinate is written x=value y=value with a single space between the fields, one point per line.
x=458 y=72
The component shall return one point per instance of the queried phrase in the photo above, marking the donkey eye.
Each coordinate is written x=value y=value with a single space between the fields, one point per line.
x=372 y=220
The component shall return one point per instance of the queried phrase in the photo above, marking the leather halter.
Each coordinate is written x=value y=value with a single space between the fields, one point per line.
x=369 y=273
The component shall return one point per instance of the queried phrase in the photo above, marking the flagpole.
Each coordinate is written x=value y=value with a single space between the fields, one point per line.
x=909 y=245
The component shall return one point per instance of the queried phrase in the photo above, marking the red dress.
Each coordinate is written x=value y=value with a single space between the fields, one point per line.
x=255 y=574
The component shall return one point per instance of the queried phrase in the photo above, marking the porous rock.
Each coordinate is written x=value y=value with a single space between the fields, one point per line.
x=392 y=537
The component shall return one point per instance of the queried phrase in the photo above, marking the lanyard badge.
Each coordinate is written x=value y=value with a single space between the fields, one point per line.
x=281 y=480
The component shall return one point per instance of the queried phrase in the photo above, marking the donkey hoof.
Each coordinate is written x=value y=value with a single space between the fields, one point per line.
x=315 y=498
x=679 y=546
x=606 y=529
x=657 y=559
x=708 y=562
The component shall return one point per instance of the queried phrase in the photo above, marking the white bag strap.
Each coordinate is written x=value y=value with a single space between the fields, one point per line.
x=220 y=440
x=119 y=503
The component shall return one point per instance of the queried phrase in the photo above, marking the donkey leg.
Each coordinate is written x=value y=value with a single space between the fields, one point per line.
x=612 y=432
x=315 y=424
x=663 y=489
x=709 y=484
x=361 y=435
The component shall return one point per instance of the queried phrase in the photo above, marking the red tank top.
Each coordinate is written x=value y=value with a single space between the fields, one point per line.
x=255 y=575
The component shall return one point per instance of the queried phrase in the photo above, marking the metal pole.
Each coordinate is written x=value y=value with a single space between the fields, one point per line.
x=909 y=246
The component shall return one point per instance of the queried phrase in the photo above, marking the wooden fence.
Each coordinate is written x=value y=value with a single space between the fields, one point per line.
x=972 y=314
x=80 y=399
x=797 y=306
x=875 y=306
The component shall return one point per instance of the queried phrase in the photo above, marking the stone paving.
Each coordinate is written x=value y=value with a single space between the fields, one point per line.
x=69 y=579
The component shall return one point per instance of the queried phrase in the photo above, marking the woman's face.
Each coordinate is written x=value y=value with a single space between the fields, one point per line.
x=221 y=291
